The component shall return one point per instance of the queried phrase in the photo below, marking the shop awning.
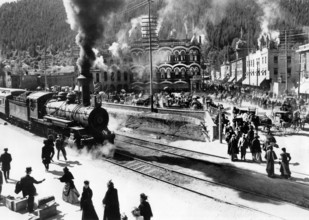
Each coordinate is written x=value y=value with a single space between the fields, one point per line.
x=261 y=79
x=231 y=79
x=304 y=88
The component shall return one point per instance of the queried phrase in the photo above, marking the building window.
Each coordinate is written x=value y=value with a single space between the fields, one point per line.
x=289 y=59
x=183 y=72
x=168 y=73
x=125 y=76
x=176 y=56
x=275 y=59
x=176 y=70
x=97 y=77
x=105 y=76
x=119 y=76
x=289 y=72
x=112 y=76
x=182 y=55
x=162 y=71
x=275 y=71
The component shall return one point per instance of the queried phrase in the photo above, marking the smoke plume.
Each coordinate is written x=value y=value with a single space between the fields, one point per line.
x=271 y=13
x=87 y=17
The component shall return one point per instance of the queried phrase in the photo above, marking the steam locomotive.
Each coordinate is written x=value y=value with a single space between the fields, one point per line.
x=47 y=113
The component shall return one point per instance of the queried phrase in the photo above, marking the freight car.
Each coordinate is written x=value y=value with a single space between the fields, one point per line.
x=47 y=113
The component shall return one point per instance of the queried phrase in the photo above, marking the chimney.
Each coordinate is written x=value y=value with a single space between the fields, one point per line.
x=84 y=83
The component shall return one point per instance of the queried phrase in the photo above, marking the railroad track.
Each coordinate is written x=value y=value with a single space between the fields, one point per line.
x=181 y=180
x=185 y=153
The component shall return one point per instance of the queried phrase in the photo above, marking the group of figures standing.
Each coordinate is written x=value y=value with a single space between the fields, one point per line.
x=69 y=193
x=241 y=137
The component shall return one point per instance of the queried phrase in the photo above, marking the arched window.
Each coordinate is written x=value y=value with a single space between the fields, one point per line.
x=105 y=76
x=191 y=71
x=125 y=76
x=169 y=73
x=176 y=56
x=162 y=71
x=195 y=53
x=112 y=76
x=168 y=56
x=177 y=71
x=191 y=55
x=183 y=55
x=196 y=71
x=183 y=72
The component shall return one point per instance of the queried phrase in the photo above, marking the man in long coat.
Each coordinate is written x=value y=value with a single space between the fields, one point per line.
x=256 y=149
x=233 y=148
x=47 y=154
x=111 y=210
x=86 y=204
x=28 y=188
x=270 y=161
x=6 y=159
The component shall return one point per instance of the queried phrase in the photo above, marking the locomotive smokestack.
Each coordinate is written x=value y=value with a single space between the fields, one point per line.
x=88 y=18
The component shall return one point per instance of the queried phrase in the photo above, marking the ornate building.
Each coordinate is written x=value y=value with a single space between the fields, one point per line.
x=176 y=63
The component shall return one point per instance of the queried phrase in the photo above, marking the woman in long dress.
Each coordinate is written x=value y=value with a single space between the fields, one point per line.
x=86 y=205
x=285 y=168
x=69 y=193
x=144 y=207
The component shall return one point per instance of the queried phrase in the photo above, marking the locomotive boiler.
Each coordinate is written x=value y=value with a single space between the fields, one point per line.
x=79 y=119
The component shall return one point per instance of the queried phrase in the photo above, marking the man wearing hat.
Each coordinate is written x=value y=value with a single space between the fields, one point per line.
x=111 y=203
x=256 y=149
x=28 y=188
x=6 y=159
x=59 y=142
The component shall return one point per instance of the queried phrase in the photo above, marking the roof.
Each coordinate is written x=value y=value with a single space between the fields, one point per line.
x=37 y=95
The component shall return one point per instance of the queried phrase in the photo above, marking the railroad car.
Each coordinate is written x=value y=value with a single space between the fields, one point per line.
x=44 y=113
x=7 y=94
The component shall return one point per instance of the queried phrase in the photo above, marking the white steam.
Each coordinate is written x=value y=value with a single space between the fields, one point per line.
x=270 y=14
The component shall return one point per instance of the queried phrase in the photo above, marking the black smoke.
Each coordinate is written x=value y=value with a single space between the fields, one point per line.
x=88 y=17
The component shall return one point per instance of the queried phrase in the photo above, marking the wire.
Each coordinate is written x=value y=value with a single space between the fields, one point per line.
x=139 y=5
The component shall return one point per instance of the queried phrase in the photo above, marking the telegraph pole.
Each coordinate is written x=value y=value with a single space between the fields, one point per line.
x=45 y=64
x=286 y=64
x=150 y=57
x=249 y=55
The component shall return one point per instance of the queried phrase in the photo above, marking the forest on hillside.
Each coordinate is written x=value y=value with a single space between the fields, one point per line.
x=27 y=24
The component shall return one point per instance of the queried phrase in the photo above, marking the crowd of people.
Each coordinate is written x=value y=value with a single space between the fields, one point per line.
x=69 y=193
x=243 y=135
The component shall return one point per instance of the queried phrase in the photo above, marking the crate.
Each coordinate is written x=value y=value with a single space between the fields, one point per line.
x=46 y=211
x=9 y=203
x=16 y=204
x=20 y=204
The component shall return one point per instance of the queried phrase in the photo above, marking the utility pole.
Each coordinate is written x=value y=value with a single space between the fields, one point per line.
x=150 y=56
x=249 y=55
x=299 y=75
x=45 y=64
x=220 y=125
x=286 y=64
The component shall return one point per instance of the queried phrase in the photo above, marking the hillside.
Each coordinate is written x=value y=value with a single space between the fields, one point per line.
x=34 y=22
x=28 y=25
